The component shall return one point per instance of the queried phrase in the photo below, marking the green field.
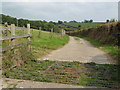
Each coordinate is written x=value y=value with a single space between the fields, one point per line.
x=44 y=42
x=84 y=25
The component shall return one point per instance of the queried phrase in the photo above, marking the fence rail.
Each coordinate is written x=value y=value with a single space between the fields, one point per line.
x=12 y=37
x=9 y=28
x=14 y=46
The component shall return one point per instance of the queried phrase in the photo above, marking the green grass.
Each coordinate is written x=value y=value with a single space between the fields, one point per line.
x=84 y=25
x=75 y=73
x=110 y=49
x=44 y=42
x=113 y=51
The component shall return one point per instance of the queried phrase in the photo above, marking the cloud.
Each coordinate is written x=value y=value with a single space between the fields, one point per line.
x=61 y=10
x=0 y=7
x=60 y=0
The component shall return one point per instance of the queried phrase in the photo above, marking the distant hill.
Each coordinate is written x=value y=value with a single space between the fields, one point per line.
x=47 y=26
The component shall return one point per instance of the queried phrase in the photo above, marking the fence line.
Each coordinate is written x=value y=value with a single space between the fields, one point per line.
x=12 y=37
x=16 y=28
x=15 y=46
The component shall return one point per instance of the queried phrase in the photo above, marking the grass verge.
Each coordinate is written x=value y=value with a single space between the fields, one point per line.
x=76 y=73
x=44 y=42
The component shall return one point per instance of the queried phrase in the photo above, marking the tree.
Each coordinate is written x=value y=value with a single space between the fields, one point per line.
x=79 y=26
x=91 y=21
x=86 y=21
x=33 y=24
x=65 y=21
x=107 y=21
x=73 y=21
x=60 y=22
x=112 y=20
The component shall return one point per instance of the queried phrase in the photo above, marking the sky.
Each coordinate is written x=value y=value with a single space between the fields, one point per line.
x=61 y=10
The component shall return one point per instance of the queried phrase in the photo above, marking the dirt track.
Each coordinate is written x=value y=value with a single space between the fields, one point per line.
x=76 y=50
x=79 y=50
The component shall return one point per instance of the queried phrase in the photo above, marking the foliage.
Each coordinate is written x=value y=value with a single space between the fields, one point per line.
x=78 y=26
x=60 y=22
x=45 y=26
x=111 y=20
x=88 y=21
x=106 y=34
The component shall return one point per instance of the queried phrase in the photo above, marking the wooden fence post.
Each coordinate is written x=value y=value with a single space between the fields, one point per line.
x=39 y=32
x=24 y=29
x=13 y=43
x=13 y=34
x=51 y=34
x=13 y=29
x=28 y=29
x=62 y=32
x=52 y=30
x=13 y=47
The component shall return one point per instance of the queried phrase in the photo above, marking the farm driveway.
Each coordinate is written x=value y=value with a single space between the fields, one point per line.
x=76 y=50
x=79 y=50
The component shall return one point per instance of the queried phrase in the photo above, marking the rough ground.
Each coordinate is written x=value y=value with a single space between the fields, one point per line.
x=79 y=50
x=15 y=83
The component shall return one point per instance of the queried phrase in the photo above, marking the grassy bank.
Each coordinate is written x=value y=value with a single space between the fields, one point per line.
x=76 y=73
x=110 y=49
x=44 y=42
x=41 y=42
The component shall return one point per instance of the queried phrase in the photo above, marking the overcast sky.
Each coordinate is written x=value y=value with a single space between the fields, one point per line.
x=65 y=11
